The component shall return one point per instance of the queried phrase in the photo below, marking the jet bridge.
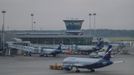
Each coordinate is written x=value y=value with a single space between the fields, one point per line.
x=21 y=47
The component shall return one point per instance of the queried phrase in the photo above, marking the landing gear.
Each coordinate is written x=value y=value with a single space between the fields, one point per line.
x=30 y=54
x=54 y=55
x=77 y=70
x=92 y=70
x=27 y=54
x=69 y=68
x=46 y=55
x=41 y=55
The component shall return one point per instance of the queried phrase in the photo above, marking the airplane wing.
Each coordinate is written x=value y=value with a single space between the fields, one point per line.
x=78 y=64
x=120 y=61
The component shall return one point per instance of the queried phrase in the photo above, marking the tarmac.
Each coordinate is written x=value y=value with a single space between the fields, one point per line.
x=23 y=65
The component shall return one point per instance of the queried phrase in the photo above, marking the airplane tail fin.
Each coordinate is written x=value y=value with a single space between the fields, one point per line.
x=100 y=45
x=59 y=47
x=107 y=56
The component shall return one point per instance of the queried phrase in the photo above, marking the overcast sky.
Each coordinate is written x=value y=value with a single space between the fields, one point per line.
x=49 y=14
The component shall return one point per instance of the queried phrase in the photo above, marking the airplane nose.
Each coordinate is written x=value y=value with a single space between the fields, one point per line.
x=67 y=67
x=110 y=62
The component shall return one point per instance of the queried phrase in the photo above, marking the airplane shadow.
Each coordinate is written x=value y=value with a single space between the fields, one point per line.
x=93 y=73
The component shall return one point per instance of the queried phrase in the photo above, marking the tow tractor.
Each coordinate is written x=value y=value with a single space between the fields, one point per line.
x=56 y=66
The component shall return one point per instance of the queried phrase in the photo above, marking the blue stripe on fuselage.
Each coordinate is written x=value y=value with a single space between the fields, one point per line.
x=99 y=64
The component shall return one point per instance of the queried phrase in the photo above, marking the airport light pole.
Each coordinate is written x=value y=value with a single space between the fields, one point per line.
x=90 y=23
x=3 y=32
x=32 y=15
x=95 y=33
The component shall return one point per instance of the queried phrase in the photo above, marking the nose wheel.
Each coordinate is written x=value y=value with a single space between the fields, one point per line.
x=92 y=70
x=77 y=70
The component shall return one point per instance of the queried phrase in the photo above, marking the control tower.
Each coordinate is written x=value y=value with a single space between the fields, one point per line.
x=73 y=26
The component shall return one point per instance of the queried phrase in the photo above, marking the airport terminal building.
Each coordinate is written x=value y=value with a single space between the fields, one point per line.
x=72 y=35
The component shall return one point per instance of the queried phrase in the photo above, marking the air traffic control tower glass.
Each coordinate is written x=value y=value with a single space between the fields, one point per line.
x=73 y=24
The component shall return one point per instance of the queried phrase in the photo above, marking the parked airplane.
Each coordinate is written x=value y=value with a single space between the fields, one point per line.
x=88 y=63
x=91 y=49
x=51 y=51
x=100 y=45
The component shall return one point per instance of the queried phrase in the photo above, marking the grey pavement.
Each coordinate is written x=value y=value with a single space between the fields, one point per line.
x=21 y=65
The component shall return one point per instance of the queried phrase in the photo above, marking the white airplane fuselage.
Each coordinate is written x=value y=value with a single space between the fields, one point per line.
x=49 y=51
x=87 y=63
